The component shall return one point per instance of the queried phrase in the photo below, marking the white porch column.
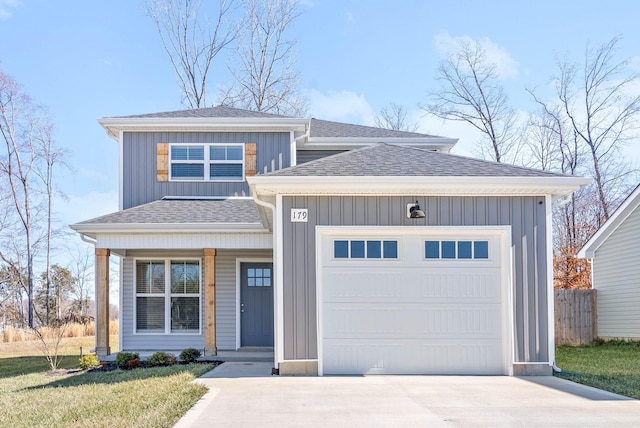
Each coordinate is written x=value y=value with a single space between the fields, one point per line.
x=102 y=302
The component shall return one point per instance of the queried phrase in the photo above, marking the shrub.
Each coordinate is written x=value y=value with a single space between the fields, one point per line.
x=123 y=358
x=189 y=355
x=161 y=359
x=89 y=361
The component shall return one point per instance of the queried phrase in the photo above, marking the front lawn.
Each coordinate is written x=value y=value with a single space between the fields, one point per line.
x=613 y=366
x=151 y=397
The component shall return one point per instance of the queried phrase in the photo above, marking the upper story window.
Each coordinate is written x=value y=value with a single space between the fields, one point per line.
x=206 y=162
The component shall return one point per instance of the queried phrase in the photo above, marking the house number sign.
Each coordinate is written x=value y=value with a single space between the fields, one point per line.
x=299 y=215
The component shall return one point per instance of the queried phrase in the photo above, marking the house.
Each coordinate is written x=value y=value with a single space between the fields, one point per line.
x=348 y=249
x=613 y=254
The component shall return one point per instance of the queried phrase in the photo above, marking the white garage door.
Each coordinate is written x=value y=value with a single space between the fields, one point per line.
x=407 y=304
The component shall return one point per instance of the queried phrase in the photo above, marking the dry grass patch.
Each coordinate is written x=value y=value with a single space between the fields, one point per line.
x=11 y=335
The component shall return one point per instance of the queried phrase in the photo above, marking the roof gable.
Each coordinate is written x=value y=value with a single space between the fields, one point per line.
x=630 y=204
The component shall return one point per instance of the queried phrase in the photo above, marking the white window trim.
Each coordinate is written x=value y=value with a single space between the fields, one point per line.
x=167 y=298
x=206 y=162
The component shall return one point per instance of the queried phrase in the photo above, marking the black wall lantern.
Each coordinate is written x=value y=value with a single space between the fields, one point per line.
x=416 y=212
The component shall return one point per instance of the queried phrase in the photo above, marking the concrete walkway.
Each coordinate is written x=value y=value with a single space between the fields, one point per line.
x=246 y=395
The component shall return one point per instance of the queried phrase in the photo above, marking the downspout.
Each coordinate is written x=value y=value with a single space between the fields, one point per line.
x=294 y=143
x=556 y=204
x=276 y=337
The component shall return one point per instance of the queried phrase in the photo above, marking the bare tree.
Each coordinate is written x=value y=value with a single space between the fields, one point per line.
x=598 y=102
x=51 y=157
x=265 y=78
x=192 y=42
x=81 y=269
x=581 y=132
x=394 y=116
x=27 y=159
x=12 y=297
x=470 y=92
x=17 y=126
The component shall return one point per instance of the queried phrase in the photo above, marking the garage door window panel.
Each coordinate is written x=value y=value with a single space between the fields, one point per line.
x=481 y=249
x=361 y=249
x=456 y=250
x=390 y=249
x=464 y=249
x=357 y=249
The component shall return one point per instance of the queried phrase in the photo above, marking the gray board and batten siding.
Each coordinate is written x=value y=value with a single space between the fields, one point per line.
x=526 y=216
x=225 y=302
x=273 y=151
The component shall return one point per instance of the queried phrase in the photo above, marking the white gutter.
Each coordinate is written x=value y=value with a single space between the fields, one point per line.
x=169 y=227
x=396 y=185
x=114 y=125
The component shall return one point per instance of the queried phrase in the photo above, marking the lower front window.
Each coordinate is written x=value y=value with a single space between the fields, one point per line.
x=167 y=296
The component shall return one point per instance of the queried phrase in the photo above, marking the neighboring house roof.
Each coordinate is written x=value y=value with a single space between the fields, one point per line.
x=390 y=169
x=625 y=209
x=179 y=214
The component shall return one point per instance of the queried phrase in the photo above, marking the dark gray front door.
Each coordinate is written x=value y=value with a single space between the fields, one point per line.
x=256 y=304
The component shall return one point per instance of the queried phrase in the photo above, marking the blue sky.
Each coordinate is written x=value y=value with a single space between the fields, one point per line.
x=91 y=59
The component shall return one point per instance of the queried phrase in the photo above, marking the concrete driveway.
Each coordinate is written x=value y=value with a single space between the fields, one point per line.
x=244 y=394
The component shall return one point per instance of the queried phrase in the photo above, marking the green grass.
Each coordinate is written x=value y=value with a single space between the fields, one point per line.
x=152 y=397
x=613 y=366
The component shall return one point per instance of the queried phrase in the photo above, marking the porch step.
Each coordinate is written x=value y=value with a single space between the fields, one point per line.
x=248 y=354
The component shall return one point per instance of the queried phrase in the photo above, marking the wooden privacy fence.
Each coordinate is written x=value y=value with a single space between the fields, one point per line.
x=576 y=317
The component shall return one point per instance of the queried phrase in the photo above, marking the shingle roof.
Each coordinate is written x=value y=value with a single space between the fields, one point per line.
x=218 y=111
x=178 y=211
x=397 y=161
x=319 y=128
x=325 y=128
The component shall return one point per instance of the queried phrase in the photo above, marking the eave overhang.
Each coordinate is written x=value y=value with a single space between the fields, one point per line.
x=556 y=187
x=115 y=125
